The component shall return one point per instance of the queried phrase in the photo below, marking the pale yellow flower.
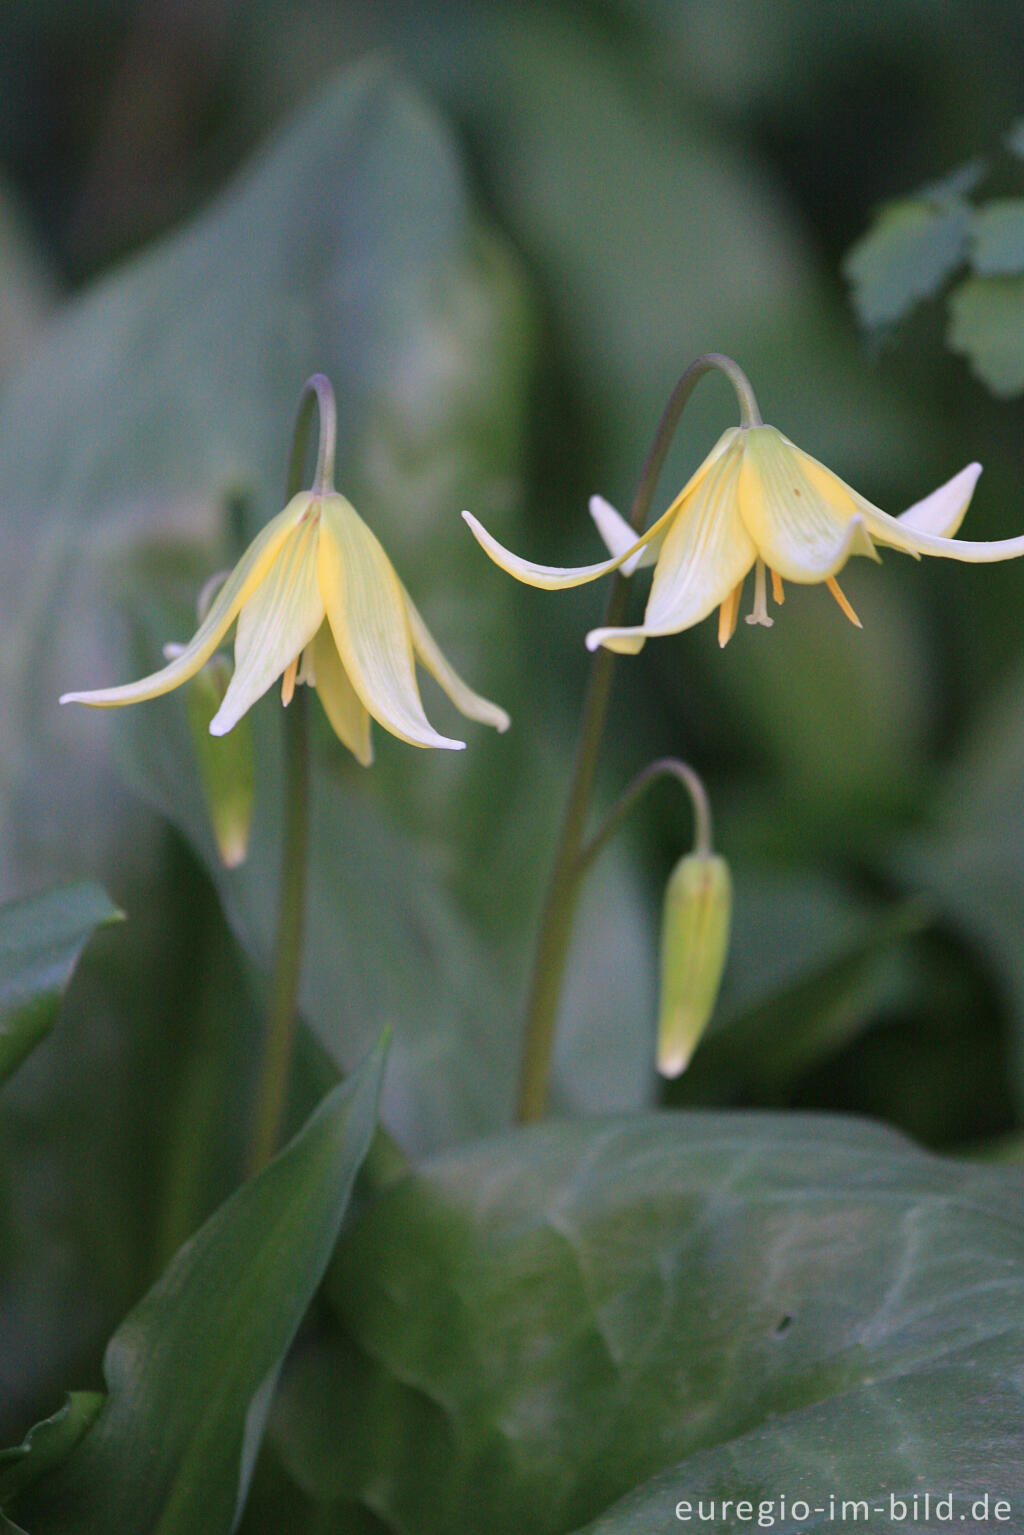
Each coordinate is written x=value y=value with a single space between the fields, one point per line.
x=757 y=503
x=318 y=601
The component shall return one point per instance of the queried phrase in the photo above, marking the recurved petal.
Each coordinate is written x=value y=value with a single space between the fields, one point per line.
x=625 y=642
x=236 y=591
x=471 y=704
x=275 y=625
x=345 y=710
x=805 y=522
x=892 y=531
x=367 y=615
x=556 y=577
x=943 y=511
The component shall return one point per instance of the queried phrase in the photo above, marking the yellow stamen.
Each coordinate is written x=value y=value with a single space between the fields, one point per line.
x=833 y=586
x=288 y=681
x=778 y=592
x=727 y=616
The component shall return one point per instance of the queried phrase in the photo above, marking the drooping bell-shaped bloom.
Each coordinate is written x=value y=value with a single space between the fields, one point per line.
x=317 y=601
x=758 y=503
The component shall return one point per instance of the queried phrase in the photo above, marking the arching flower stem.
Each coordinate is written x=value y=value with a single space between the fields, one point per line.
x=664 y=767
x=318 y=392
x=560 y=899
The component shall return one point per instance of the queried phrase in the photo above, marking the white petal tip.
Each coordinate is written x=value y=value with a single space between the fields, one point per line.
x=625 y=642
x=615 y=532
x=674 y=1064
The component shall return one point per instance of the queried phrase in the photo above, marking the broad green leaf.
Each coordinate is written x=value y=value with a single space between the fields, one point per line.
x=539 y=1325
x=41 y=939
x=908 y=253
x=47 y=1444
x=987 y=326
x=997 y=238
x=190 y=1371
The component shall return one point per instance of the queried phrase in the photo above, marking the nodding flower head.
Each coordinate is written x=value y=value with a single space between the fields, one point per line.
x=317 y=601
x=758 y=503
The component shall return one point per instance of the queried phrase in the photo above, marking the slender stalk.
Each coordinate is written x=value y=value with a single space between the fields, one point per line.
x=562 y=892
x=664 y=767
x=316 y=391
x=279 y=1036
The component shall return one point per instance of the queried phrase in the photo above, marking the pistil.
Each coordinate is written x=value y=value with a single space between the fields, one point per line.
x=759 y=615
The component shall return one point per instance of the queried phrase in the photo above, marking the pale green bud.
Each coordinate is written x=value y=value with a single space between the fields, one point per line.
x=694 y=943
x=225 y=762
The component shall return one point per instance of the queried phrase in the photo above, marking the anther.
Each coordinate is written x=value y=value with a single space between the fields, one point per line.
x=727 y=616
x=288 y=681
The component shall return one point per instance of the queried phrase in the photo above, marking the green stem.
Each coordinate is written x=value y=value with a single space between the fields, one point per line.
x=563 y=887
x=279 y=1038
x=664 y=767
x=316 y=391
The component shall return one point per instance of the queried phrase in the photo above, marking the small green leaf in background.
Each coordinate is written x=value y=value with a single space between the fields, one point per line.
x=41 y=939
x=987 y=326
x=191 y=1369
x=906 y=256
x=532 y=1328
x=48 y=1443
x=997 y=238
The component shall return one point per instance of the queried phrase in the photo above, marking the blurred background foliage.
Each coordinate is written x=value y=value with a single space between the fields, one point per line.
x=591 y=195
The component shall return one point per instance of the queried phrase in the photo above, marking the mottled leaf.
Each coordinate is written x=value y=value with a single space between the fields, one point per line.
x=535 y=1327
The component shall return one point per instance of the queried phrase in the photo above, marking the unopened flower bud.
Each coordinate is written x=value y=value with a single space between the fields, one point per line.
x=225 y=762
x=694 y=943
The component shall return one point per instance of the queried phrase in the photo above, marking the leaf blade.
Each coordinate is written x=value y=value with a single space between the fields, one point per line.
x=41 y=939
x=557 y=1318
x=206 y=1338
